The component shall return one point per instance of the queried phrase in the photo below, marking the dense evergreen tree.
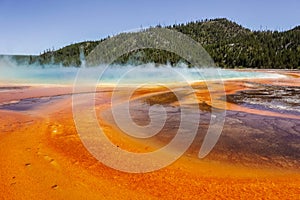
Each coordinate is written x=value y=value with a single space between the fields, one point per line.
x=229 y=44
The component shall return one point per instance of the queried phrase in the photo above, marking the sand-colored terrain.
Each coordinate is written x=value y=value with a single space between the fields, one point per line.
x=42 y=156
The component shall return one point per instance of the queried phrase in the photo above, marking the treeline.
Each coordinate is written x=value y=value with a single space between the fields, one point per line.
x=229 y=44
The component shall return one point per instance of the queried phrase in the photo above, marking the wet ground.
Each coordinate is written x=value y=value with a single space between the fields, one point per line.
x=282 y=99
x=30 y=103
x=256 y=156
x=247 y=139
x=7 y=88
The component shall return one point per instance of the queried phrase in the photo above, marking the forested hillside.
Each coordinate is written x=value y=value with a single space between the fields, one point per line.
x=229 y=44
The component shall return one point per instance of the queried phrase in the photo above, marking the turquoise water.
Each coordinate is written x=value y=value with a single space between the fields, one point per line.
x=123 y=74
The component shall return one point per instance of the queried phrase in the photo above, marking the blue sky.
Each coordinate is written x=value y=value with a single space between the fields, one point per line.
x=31 y=26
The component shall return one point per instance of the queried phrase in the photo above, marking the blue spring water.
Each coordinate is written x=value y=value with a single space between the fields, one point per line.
x=125 y=74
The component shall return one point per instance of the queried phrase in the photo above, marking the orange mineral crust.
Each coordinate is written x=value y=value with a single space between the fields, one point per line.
x=42 y=156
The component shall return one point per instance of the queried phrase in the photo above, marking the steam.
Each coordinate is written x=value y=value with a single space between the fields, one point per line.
x=82 y=57
x=11 y=72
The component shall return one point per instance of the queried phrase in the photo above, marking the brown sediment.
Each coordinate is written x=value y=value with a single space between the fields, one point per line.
x=246 y=163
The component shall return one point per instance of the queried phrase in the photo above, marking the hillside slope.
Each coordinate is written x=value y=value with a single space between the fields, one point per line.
x=229 y=44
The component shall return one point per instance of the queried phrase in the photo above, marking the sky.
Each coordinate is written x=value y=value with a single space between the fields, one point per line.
x=31 y=26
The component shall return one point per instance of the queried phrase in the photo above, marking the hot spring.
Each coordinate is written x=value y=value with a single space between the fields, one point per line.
x=12 y=73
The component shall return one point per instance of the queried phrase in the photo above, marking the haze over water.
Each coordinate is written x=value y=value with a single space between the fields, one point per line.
x=12 y=73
